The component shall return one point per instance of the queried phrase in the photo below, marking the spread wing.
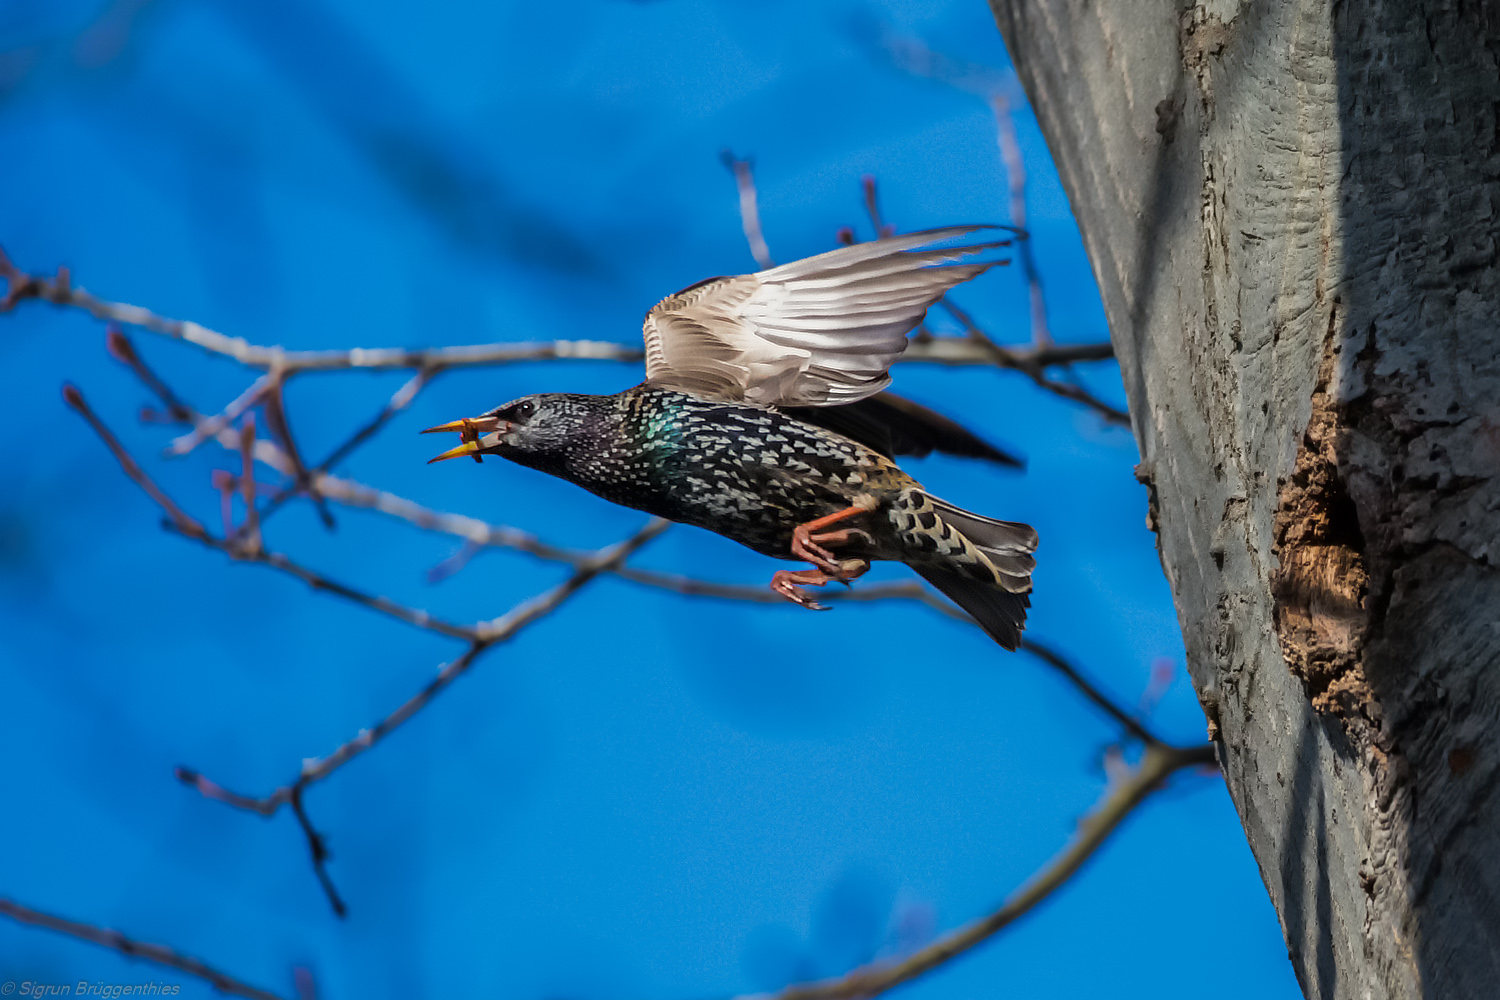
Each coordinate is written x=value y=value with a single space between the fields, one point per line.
x=815 y=332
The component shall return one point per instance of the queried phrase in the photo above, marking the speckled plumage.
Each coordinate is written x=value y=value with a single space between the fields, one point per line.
x=762 y=419
x=749 y=473
x=753 y=474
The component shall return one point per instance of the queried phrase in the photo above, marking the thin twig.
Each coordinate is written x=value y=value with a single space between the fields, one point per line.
x=488 y=634
x=123 y=350
x=691 y=587
x=318 y=847
x=131 y=948
x=1157 y=763
x=1026 y=363
x=744 y=181
x=508 y=624
x=470 y=529
x=501 y=630
x=278 y=458
x=316 y=770
x=1058 y=662
x=241 y=551
x=914 y=56
x=964 y=351
x=207 y=428
x=872 y=208
x=251 y=528
x=400 y=400
x=454 y=563
x=57 y=290
x=416 y=617
x=274 y=405
x=1015 y=175
x=179 y=518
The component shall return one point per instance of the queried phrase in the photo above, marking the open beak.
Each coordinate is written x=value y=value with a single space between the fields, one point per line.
x=471 y=428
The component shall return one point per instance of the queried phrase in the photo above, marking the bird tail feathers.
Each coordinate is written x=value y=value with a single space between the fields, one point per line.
x=1000 y=613
x=982 y=564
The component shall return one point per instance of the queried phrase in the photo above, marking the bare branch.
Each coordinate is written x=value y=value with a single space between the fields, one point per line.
x=1156 y=765
x=123 y=351
x=207 y=428
x=744 y=180
x=274 y=405
x=454 y=563
x=507 y=625
x=432 y=361
x=243 y=552
x=318 y=847
x=316 y=769
x=958 y=351
x=317 y=581
x=1058 y=662
x=489 y=634
x=1015 y=175
x=470 y=529
x=914 y=56
x=400 y=400
x=251 y=530
x=1026 y=363
x=116 y=941
x=872 y=208
x=179 y=518
x=690 y=587
x=59 y=291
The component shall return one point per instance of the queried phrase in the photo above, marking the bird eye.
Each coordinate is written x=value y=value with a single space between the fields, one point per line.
x=523 y=410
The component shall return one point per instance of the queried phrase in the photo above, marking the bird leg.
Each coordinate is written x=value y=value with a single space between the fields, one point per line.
x=810 y=541
x=789 y=582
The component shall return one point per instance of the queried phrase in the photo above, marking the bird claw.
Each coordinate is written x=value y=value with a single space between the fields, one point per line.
x=814 y=548
x=804 y=547
x=811 y=544
x=784 y=582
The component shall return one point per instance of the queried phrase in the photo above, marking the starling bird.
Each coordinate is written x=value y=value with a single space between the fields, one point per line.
x=762 y=418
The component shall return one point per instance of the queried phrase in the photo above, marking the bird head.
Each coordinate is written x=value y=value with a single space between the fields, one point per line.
x=532 y=430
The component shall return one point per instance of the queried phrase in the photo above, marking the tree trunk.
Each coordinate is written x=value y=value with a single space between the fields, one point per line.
x=1291 y=211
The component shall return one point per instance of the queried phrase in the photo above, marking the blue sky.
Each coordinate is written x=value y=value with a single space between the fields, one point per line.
x=644 y=796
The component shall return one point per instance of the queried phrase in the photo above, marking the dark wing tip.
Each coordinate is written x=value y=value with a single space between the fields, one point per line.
x=894 y=425
x=919 y=431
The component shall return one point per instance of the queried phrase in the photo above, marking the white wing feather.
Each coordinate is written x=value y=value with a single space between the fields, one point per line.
x=815 y=332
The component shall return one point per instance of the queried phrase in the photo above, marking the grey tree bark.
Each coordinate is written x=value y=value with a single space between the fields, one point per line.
x=1291 y=211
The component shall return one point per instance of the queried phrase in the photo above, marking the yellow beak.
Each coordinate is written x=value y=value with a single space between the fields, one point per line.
x=471 y=428
x=467 y=448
